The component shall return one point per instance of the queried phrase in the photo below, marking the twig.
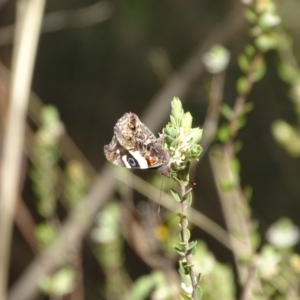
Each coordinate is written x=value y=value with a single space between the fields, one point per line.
x=249 y=284
x=184 y=224
x=234 y=204
x=28 y=24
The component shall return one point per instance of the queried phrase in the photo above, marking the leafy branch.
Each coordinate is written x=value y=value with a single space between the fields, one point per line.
x=181 y=141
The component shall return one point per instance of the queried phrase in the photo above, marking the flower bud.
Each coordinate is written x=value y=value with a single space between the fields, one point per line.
x=177 y=111
x=171 y=131
x=186 y=122
x=196 y=151
x=196 y=134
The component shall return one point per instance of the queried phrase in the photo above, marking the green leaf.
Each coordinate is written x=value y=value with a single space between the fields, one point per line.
x=255 y=240
x=169 y=140
x=186 y=193
x=259 y=71
x=175 y=195
x=242 y=85
x=192 y=245
x=250 y=15
x=171 y=131
x=181 y=215
x=173 y=121
x=268 y=20
x=199 y=293
x=266 y=42
x=196 y=135
x=185 y=271
x=184 y=296
x=185 y=173
x=49 y=115
x=188 y=267
x=244 y=63
x=250 y=51
x=193 y=251
x=235 y=165
x=176 y=179
x=142 y=287
x=228 y=185
x=226 y=111
x=181 y=244
x=175 y=142
x=241 y=121
x=181 y=266
x=186 y=122
x=196 y=151
x=223 y=133
x=248 y=107
x=179 y=250
x=63 y=281
x=46 y=234
x=60 y=283
x=288 y=73
x=189 y=199
x=188 y=235
x=177 y=111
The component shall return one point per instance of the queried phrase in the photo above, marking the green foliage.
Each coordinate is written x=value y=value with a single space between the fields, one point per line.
x=277 y=264
x=48 y=186
x=110 y=253
x=287 y=136
x=46 y=156
x=223 y=133
x=175 y=195
x=154 y=283
x=60 y=283
x=217 y=59
x=181 y=140
x=283 y=234
x=288 y=73
x=273 y=263
x=76 y=182
x=217 y=279
x=46 y=234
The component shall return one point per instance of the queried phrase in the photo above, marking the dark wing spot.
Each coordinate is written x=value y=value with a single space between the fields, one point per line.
x=132 y=161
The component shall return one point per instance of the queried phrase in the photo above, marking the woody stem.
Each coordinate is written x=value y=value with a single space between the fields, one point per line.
x=185 y=238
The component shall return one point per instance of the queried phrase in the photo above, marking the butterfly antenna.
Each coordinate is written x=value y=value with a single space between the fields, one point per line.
x=160 y=192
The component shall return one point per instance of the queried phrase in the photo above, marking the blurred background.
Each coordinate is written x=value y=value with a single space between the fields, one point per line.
x=97 y=60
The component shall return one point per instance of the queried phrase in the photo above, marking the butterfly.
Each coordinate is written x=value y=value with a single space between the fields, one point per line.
x=135 y=146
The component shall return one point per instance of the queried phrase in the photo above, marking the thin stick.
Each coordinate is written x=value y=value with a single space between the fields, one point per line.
x=28 y=24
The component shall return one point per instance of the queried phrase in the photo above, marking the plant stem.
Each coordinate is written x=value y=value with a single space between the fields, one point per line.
x=28 y=23
x=184 y=226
